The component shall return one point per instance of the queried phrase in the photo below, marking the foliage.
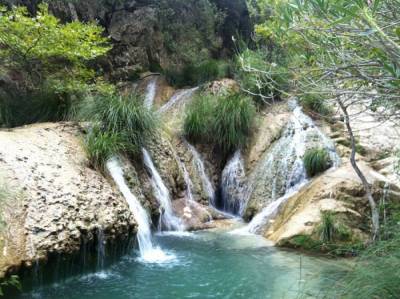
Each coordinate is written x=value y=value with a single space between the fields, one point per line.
x=123 y=124
x=316 y=160
x=316 y=104
x=199 y=117
x=196 y=74
x=51 y=58
x=258 y=77
x=233 y=120
x=327 y=228
x=102 y=145
x=225 y=121
x=12 y=281
x=376 y=273
x=397 y=163
x=339 y=48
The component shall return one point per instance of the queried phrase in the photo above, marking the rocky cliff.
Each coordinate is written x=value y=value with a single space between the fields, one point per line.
x=157 y=34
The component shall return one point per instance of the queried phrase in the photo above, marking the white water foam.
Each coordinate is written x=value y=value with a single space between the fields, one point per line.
x=168 y=219
x=148 y=252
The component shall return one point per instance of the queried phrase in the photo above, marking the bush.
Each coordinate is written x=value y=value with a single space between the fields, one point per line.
x=316 y=104
x=196 y=74
x=316 y=160
x=124 y=116
x=122 y=124
x=233 y=119
x=199 y=117
x=224 y=121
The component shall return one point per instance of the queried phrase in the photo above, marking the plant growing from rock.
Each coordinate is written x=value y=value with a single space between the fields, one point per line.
x=121 y=124
x=232 y=122
x=199 y=117
x=224 y=121
x=316 y=160
x=316 y=104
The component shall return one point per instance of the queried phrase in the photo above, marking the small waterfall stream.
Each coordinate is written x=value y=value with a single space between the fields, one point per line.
x=178 y=97
x=201 y=170
x=148 y=252
x=151 y=91
x=285 y=161
x=168 y=219
x=233 y=185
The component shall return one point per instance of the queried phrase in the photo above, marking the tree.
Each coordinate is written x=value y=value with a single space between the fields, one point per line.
x=52 y=57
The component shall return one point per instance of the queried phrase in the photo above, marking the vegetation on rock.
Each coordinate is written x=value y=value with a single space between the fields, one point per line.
x=316 y=160
x=121 y=124
x=224 y=121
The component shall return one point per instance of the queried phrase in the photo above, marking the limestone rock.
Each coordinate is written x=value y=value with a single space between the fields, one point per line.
x=64 y=200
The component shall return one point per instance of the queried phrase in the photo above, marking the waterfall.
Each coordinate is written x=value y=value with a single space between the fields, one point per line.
x=179 y=96
x=101 y=249
x=270 y=211
x=168 y=220
x=148 y=252
x=151 y=90
x=233 y=186
x=285 y=161
x=199 y=165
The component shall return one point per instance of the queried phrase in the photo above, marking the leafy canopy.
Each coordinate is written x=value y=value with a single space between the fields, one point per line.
x=43 y=37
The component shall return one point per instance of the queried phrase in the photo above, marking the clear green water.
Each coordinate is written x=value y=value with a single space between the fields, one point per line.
x=206 y=265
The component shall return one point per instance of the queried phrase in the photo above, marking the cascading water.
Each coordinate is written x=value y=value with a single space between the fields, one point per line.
x=168 y=219
x=233 y=185
x=148 y=252
x=285 y=161
x=151 y=90
x=199 y=165
x=178 y=97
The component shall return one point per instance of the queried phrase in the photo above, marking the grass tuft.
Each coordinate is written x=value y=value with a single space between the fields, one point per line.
x=122 y=124
x=224 y=121
x=316 y=160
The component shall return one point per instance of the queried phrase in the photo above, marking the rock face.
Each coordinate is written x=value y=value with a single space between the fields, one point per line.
x=338 y=191
x=155 y=34
x=64 y=201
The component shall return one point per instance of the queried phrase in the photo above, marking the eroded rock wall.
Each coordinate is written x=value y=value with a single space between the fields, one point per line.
x=64 y=202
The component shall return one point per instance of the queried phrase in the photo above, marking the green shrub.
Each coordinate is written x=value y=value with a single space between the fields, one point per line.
x=199 y=118
x=316 y=160
x=233 y=120
x=100 y=146
x=53 y=68
x=224 y=121
x=316 y=104
x=125 y=117
x=196 y=74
